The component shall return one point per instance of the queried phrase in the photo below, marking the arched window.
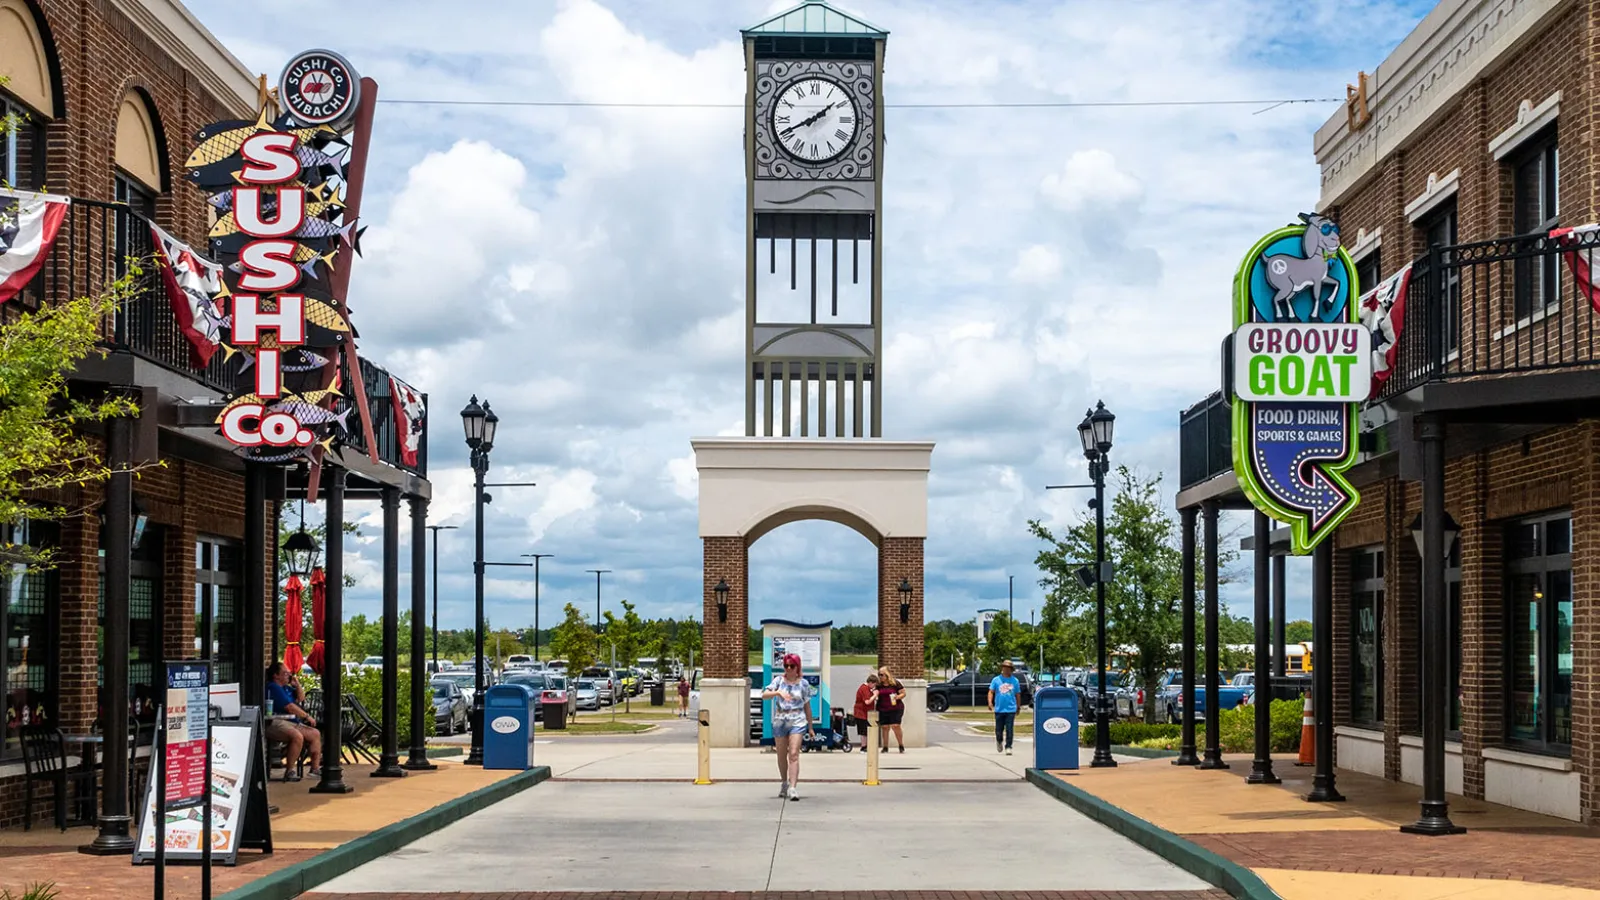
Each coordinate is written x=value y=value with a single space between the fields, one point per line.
x=27 y=99
x=140 y=155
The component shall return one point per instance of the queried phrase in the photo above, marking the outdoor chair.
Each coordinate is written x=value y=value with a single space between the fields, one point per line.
x=359 y=729
x=139 y=769
x=276 y=750
x=44 y=759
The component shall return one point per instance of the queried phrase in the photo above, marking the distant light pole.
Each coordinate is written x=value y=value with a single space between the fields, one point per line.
x=436 y=529
x=597 y=574
x=1011 y=599
x=536 y=557
x=479 y=423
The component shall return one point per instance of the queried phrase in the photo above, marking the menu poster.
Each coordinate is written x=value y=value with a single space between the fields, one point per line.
x=238 y=801
x=806 y=646
x=187 y=721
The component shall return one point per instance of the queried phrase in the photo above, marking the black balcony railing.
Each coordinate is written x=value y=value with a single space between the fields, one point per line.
x=1495 y=308
x=1205 y=441
x=100 y=243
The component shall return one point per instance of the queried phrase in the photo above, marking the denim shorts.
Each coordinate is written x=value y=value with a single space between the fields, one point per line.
x=784 y=728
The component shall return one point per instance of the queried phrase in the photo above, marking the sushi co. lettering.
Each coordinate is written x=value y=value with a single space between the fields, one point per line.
x=1331 y=363
x=268 y=267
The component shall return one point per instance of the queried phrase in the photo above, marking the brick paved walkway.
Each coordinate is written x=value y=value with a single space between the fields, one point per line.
x=78 y=876
x=799 y=895
x=1273 y=830
x=802 y=895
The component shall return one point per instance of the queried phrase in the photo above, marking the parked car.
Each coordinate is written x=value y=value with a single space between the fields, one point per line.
x=970 y=689
x=1122 y=700
x=466 y=681
x=1228 y=697
x=757 y=705
x=372 y=662
x=588 y=696
x=521 y=661
x=605 y=681
x=449 y=706
x=444 y=665
x=549 y=688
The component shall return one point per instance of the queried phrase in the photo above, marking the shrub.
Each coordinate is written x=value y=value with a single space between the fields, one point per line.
x=366 y=685
x=1238 y=731
x=37 y=891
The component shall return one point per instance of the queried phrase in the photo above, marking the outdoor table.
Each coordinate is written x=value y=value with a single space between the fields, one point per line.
x=89 y=762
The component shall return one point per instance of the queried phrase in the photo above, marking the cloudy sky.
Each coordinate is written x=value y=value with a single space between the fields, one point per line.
x=580 y=266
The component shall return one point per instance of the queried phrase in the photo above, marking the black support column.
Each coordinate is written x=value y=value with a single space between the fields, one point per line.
x=1435 y=813
x=417 y=759
x=117 y=541
x=1261 y=765
x=333 y=641
x=253 y=678
x=389 y=757
x=1280 y=604
x=1186 y=749
x=1213 y=755
x=1323 y=789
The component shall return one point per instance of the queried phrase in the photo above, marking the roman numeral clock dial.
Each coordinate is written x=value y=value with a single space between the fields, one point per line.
x=814 y=120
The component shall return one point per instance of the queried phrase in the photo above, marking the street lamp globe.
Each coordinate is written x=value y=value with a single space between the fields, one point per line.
x=302 y=551
x=473 y=422
x=1101 y=422
x=490 y=423
x=1086 y=434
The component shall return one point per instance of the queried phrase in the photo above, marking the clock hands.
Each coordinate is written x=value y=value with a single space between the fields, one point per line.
x=809 y=120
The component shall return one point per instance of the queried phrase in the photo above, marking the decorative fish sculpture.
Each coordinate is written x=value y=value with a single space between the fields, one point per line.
x=303 y=256
x=311 y=414
x=254 y=455
x=215 y=148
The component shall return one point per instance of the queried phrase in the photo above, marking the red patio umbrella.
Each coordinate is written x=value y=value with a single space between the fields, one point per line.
x=319 y=596
x=294 y=618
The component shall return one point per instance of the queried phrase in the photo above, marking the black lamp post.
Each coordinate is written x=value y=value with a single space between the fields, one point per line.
x=721 y=590
x=436 y=529
x=1095 y=434
x=479 y=423
x=1435 y=812
x=905 y=599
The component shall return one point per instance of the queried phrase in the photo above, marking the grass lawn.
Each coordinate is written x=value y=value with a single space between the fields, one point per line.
x=601 y=726
x=983 y=715
x=839 y=659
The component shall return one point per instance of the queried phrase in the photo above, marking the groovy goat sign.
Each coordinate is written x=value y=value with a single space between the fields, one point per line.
x=1300 y=362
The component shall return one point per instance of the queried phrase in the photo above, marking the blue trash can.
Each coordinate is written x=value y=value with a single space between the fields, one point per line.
x=508 y=739
x=1055 y=728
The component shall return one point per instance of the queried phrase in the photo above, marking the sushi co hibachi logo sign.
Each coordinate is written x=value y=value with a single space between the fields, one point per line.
x=277 y=185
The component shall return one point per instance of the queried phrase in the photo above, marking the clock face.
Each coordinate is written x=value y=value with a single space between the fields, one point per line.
x=814 y=119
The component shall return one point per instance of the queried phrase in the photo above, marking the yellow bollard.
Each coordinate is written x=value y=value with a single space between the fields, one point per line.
x=872 y=749
x=704 y=776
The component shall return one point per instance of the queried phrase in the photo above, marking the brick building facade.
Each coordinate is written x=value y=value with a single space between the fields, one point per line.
x=107 y=95
x=1472 y=143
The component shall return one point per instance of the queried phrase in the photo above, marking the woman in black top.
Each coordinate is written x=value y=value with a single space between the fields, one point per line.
x=891 y=708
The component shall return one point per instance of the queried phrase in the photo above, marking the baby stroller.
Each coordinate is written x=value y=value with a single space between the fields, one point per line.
x=830 y=737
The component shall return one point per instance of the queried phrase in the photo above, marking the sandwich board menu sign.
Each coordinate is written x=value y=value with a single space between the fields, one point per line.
x=238 y=794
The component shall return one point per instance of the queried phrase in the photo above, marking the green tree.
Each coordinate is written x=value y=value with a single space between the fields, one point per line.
x=45 y=444
x=1007 y=639
x=686 y=645
x=574 y=641
x=1297 y=631
x=1143 y=600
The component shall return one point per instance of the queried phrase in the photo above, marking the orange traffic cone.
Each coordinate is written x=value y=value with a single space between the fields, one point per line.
x=1308 y=736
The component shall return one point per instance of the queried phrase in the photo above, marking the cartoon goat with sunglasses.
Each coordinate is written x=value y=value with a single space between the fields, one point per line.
x=1289 y=275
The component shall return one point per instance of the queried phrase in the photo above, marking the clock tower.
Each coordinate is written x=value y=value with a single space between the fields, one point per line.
x=814 y=199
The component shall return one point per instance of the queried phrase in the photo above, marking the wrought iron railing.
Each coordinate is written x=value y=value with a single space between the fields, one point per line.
x=1496 y=308
x=100 y=243
x=1205 y=441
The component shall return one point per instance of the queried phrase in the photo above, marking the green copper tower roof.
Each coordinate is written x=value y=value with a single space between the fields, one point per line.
x=815 y=18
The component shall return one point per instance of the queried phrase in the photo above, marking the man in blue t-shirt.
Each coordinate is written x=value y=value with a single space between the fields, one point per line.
x=290 y=724
x=1003 y=693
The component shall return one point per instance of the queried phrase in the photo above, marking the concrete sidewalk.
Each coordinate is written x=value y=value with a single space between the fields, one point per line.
x=617 y=837
x=1354 y=850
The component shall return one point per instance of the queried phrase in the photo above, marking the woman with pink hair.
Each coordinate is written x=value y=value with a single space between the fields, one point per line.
x=791 y=722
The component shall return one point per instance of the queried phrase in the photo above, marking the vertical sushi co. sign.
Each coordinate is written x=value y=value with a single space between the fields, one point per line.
x=277 y=185
x=1300 y=364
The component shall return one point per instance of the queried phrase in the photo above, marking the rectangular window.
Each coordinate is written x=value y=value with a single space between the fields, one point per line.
x=217 y=577
x=21 y=147
x=1444 y=322
x=144 y=627
x=1369 y=270
x=1366 y=637
x=1539 y=634
x=29 y=620
x=1535 y=209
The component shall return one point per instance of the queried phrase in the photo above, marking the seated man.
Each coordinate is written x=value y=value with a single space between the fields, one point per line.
x=296 y=732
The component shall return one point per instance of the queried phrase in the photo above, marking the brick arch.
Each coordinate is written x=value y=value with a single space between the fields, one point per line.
x=38 y=84
x=143 y=113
